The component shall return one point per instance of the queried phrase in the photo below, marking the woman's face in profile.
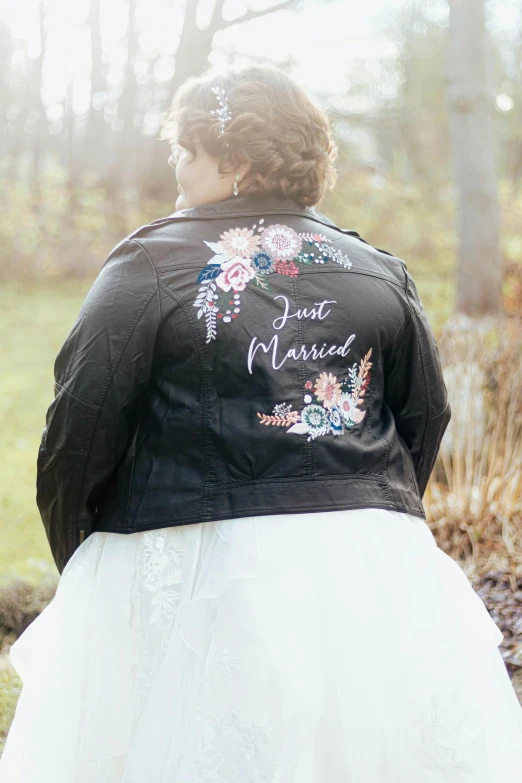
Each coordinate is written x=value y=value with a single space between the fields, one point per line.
x=199 y=181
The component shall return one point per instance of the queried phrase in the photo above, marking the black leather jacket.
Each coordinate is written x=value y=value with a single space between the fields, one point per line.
x=246 y=357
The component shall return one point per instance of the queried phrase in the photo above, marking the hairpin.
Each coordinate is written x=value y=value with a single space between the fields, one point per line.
x=223 y=113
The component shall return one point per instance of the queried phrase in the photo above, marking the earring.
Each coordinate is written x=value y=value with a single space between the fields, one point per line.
x=236 y=191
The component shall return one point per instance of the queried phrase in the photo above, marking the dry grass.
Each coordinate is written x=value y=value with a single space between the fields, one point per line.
x=474 y=497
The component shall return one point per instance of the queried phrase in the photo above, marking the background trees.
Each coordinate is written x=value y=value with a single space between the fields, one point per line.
x=426 y=96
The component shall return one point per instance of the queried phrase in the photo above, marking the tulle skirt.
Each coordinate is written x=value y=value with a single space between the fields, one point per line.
x=326 y=647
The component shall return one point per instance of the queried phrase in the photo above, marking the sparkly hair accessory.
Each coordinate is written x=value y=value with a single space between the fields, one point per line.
x=223 y=113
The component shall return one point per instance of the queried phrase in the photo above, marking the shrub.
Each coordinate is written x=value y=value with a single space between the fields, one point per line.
x=20 y=604
x=474 y=496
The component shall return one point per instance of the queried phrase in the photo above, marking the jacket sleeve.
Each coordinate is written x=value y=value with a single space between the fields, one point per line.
x=414 y=387
x=100 y=372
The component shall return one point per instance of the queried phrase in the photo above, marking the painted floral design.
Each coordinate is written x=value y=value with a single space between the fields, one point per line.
x=327 y=389
x=235 y=274
x=336 y=406
x=263 y=262
x=281 y=241
x=240 y=242
x=251 y=255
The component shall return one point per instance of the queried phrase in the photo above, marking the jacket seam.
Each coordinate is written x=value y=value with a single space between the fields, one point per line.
x=295 y=479
x=386 y=456
x=403 y=325
x=131 y=479
x=304 y=271
x=108 y=382
x=76 y=460
x=204 y=384
x=424 y=447
x=413 y=312
x=235 y=213
x=426 y=419
x=408 y=316
x=74 y=397
x=375 y=477
x=139 y=407
x=302 y=373
x=154 y=270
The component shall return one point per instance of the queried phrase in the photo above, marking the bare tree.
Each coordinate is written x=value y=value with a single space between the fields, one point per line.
x=127 y=104
x=191 y=59
x=470 y=96
x=196 y=44
x=96 y=125
x=40 y=125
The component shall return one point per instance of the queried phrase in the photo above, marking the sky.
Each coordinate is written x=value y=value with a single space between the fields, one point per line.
x=326 y=39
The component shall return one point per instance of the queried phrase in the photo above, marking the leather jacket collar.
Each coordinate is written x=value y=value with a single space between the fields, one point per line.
x=250 y=203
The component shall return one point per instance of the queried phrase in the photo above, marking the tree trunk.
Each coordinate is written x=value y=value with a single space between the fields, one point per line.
x=96 y=133
x=40 y=130
x=474 y=152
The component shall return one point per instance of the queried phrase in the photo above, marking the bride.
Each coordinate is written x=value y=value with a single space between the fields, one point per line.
x=290 y=618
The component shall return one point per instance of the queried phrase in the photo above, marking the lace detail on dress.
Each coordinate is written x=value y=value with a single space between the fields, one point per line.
x=245 y=742
x=451 y=738
x=451 y=749
x=231 y=746
x=163 y=568
x=156 y=593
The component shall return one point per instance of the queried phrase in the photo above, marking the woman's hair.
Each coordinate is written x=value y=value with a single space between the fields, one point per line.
x=275 y=126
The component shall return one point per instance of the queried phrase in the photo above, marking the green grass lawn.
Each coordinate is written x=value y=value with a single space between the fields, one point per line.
x=35 y=319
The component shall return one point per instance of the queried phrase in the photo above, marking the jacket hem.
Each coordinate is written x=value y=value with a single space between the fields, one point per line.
x=262 y=511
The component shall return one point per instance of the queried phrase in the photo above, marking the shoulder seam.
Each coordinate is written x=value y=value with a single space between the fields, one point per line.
x=155 y=272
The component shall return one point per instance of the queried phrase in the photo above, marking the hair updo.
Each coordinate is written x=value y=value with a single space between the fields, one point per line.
x=275 y=126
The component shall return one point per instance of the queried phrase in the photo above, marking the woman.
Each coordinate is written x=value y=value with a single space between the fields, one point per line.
x=247 y=411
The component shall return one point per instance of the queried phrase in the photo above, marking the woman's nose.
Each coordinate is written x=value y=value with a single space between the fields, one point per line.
x=171 y=162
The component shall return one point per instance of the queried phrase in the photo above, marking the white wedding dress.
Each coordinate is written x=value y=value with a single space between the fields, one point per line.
x=328 y=647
